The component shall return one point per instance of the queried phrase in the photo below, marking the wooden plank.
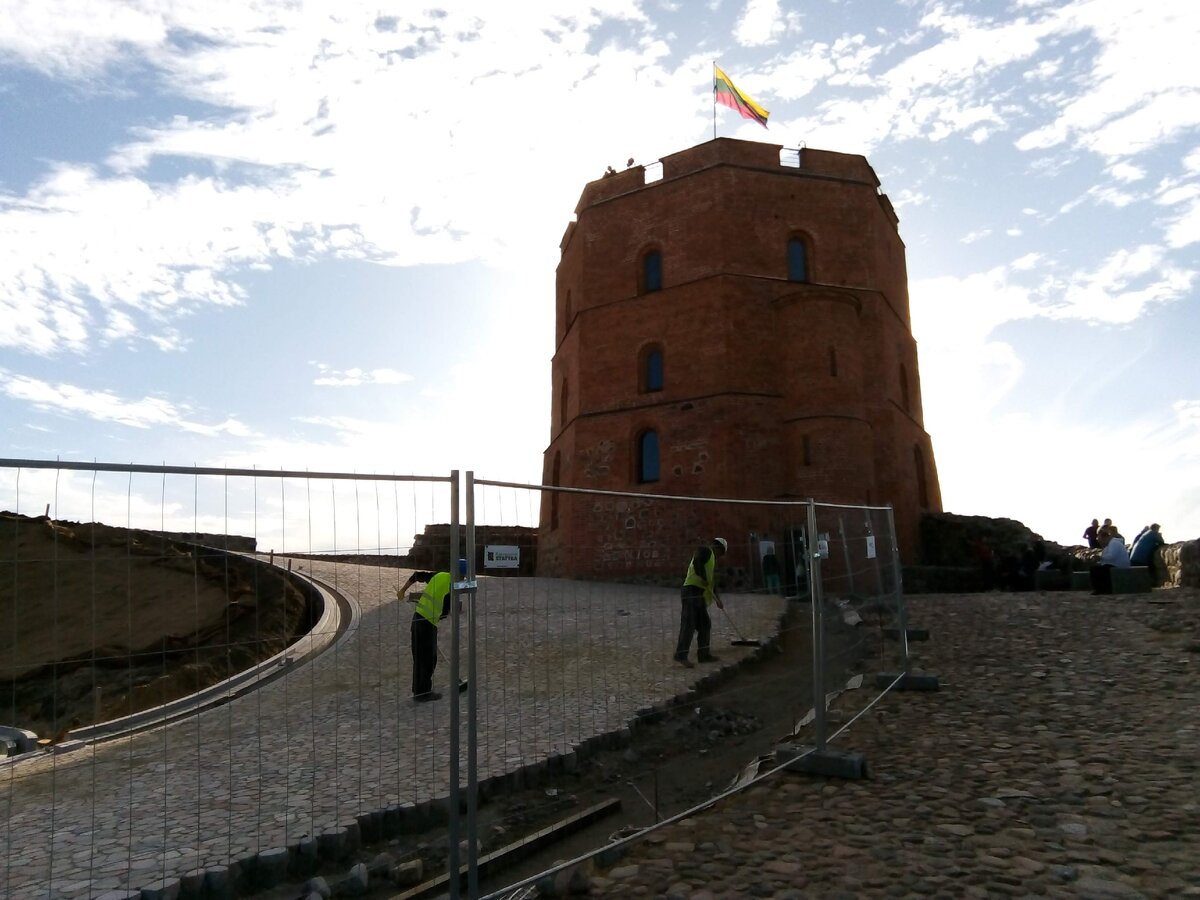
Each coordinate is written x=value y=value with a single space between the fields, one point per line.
x=518 y=849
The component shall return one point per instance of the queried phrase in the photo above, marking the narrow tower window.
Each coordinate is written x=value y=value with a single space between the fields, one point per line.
x=652 y=369
x=904 y=388
x=647 y=457
x=807 y=447
x=562 y=404
x=797 y=258
x=651 y=272
x=833 y=362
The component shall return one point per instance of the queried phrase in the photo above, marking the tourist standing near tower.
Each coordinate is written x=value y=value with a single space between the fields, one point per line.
x=699 y=590
x=431 y=608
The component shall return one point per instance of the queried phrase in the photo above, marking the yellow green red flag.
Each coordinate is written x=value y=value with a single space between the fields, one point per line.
x=727 y=94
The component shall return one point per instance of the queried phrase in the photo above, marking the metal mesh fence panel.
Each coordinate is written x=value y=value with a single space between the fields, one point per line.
x=199 y=681
x=581 y=661
x=206 y=676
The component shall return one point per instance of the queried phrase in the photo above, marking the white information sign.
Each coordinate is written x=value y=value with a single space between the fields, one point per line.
x=501 y=556
x=870 y=546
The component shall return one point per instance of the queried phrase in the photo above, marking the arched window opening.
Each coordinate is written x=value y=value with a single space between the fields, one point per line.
x=922 y=485
x=651 y=272
x=797 y=259
x=833 y=361
x=567 y=310
x=807 y=448
x=652 y=369
x=904 y=388
x=648 y=461
x=563 y=396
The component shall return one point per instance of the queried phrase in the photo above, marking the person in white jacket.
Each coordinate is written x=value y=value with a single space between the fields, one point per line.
x=1113 y=556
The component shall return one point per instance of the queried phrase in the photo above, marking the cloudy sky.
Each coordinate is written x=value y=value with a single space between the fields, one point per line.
x=310 y=235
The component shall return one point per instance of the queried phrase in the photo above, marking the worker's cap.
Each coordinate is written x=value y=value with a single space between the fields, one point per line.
x=722 y=543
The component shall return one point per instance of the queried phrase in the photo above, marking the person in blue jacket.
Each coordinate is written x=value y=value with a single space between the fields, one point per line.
x=1145 y=550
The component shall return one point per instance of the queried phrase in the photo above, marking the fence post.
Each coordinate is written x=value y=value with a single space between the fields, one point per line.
x=472 y=705
x=452 y=864
x=818 y=640
x=901 y=611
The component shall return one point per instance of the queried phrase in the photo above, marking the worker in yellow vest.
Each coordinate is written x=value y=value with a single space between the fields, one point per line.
x=431 y=608
x=699 y=590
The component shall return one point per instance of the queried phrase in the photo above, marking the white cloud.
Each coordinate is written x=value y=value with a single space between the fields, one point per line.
x=1182 y=228
x=1138 y=94
x=973 y=236
x=330 y=377
x=319 y=147
x=1120 y=289
x=761 y=22
x=105 y=406
x=1123 y=171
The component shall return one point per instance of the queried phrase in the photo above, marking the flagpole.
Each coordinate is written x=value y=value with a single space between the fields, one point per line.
x=714 y=92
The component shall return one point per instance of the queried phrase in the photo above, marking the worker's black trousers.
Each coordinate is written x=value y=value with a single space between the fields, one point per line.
x=693 y=619
x=424 y=654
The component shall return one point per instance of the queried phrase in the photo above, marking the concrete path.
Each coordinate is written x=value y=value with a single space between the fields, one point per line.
x=1061 y=758
x=560 y=662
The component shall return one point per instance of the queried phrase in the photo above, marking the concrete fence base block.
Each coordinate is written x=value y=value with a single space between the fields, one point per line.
x=570 y=761
x=610 y=856
x=408 y=873
x=827 y=762
x=271 y=868
x=356 y=883
x=912 y=681
x=914 y=634
x=318 y=886
x=163 y=889
x=381 y=865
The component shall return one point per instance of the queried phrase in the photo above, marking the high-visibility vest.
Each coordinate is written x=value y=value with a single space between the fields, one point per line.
x=432 y=598
x=706 y=583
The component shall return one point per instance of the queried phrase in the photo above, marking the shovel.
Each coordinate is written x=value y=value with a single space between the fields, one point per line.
x=741 y=640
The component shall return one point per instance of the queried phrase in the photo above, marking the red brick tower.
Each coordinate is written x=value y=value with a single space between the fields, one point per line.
x=738 y=328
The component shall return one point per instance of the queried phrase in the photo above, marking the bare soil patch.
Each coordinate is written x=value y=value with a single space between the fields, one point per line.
x=98 y=622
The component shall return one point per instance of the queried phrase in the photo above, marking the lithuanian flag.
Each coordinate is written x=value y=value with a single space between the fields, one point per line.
x=725 y=93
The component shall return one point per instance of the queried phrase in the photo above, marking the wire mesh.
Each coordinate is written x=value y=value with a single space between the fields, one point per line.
x=199 y=673
x=217 y=664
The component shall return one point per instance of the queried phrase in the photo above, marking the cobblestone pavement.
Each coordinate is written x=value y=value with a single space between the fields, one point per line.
x=1059 y=759
x=559 y=662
